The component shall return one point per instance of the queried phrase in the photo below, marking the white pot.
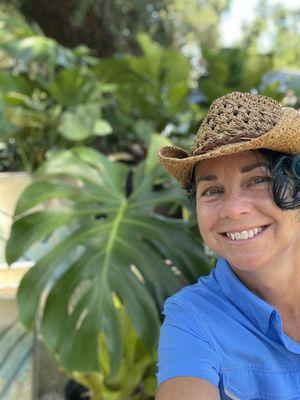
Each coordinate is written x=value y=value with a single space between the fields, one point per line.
x=12 y=185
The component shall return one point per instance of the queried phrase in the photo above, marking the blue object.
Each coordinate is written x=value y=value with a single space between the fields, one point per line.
x=217 y=329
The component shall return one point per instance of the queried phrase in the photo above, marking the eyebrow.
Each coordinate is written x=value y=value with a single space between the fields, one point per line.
x=246 y=168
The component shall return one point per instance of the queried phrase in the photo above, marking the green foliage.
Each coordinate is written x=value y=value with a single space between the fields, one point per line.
x=24 y=47
x=120 y=242
x=286 y=48
x=232 y=69
x=269 y=43
x=276 y=29
x=50 y=96
x=125 y=242
x=51 y=113
x=105 y=26
x=150 y=94
x=111 y=27
x=53 y=96
x=135 y=377
x=196 y=22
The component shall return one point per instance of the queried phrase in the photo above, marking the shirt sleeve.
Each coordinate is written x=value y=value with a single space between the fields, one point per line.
x=184 y=349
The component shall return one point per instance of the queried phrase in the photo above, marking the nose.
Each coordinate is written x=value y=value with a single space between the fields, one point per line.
x=235 y=205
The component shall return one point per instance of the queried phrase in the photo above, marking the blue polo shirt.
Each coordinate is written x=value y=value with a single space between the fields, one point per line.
x=219 y=330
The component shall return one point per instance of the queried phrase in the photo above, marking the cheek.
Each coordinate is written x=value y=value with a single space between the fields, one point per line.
x=206 y=216
x=290 y=222
x=207 y=210
x=204 y=231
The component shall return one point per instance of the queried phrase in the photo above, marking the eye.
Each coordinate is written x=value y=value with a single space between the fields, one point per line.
x=257 y=180
x=212 y=191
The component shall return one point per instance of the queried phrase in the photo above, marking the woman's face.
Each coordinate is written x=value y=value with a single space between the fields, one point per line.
x=236 y=215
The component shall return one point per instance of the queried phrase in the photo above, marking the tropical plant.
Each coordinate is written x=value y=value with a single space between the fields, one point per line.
x=118 y=246
x=50 y=98
x=135 y=378
x=151 y=95
x=230 y=69
x=38 y=117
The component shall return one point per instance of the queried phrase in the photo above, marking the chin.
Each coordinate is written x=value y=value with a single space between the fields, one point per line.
x=245 y=263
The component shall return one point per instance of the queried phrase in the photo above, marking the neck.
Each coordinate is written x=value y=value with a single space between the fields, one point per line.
x=278 y=286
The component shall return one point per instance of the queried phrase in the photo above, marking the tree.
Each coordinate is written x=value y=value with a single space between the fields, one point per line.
x=274 y=31
x=111 y=26
x=107 y=26
x=197 y=21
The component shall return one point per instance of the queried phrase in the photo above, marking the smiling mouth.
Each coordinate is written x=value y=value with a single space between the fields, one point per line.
x=245 y=235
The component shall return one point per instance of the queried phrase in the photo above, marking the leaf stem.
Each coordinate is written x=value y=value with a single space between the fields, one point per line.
x=113 y=234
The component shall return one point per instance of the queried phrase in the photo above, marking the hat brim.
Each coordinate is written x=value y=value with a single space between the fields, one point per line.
x=284 y=137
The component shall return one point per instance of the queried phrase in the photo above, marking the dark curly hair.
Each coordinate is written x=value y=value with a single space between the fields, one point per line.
x=285 y=183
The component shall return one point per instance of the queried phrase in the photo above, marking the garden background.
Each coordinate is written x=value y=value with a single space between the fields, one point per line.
x=89 y=90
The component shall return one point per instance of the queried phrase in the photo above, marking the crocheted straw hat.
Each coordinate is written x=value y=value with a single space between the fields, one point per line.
x=236 y=122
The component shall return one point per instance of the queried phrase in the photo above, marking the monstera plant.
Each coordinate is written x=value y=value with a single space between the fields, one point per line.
x=118 y=245
x=135 y=378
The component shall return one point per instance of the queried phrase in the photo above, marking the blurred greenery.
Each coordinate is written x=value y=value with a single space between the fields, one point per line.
x=150 y=95
x=53 y=96
x=111 y=27
x=50 y=96
x=89 y=91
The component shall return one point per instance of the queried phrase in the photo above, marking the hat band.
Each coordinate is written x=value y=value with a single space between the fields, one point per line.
x=225 y=140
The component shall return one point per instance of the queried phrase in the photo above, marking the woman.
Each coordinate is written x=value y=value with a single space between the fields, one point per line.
x=235 y=334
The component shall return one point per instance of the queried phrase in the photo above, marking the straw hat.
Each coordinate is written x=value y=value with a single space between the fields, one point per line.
x=236 y=122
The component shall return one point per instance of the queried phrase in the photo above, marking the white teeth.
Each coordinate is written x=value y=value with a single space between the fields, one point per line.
x=244 y=234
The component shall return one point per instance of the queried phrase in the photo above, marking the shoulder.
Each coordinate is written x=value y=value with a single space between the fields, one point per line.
x=195 y=299
x=193 y=308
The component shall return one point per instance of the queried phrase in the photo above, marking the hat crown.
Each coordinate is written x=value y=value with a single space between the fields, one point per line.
x=236 y=118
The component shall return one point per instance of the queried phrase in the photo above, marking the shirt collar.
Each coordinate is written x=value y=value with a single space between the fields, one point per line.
x=252 y=306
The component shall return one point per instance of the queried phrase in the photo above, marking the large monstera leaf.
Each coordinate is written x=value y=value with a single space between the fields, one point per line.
x=115 y=250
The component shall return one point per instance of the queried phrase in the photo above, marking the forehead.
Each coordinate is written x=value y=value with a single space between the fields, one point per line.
x=229 y=162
